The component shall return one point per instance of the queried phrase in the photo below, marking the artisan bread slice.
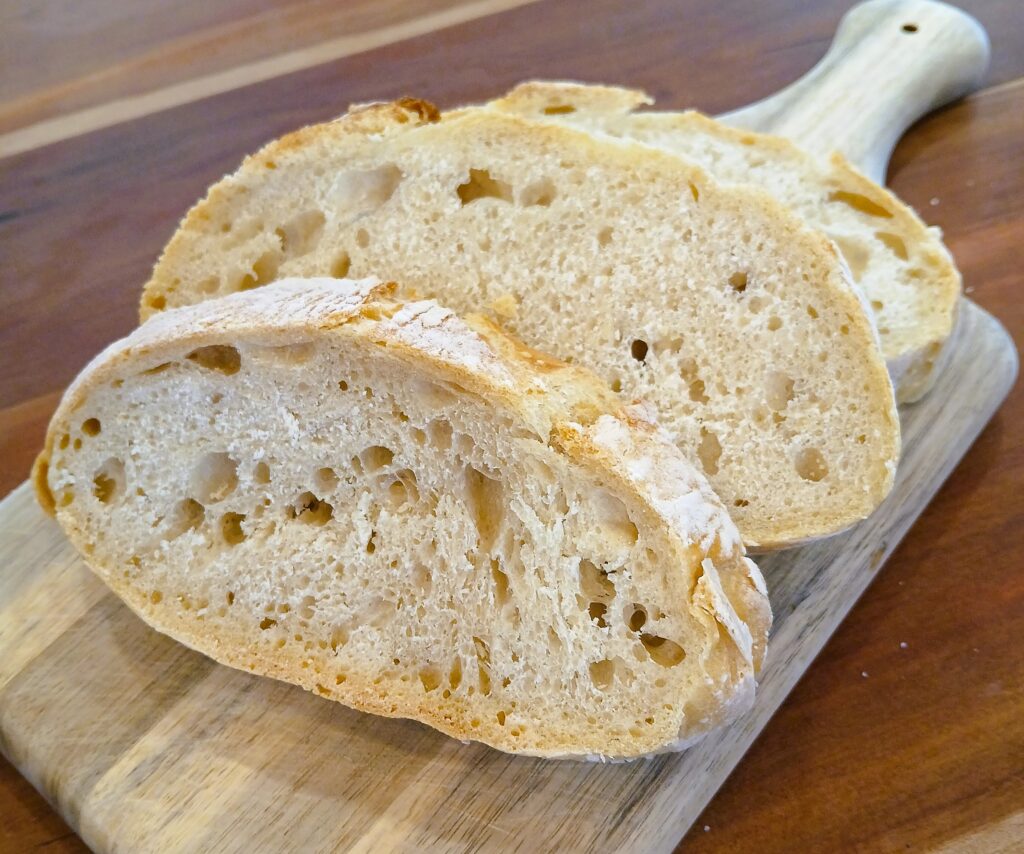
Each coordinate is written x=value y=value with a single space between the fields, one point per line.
x=901 y=265
x=716 y=305
x=412 y=515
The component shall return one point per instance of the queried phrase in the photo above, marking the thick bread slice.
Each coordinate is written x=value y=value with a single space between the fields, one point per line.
x=412 y=515
x=900 y=264
x=716 y=305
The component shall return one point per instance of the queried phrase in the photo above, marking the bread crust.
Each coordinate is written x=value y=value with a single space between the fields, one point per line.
x=582 y=418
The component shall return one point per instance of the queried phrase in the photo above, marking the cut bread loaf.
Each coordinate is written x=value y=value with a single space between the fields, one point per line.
x=902 y=267
x=718 y=306
x=410 y=514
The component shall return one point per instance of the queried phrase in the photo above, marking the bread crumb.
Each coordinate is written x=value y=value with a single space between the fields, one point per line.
x=864 y=673
x=903 y=644
x=933 y=201
x=707 y=827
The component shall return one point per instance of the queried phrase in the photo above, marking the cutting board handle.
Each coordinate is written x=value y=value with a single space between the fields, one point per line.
x=891 y=62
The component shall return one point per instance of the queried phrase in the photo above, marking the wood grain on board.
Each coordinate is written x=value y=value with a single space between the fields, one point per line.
x=848 y=761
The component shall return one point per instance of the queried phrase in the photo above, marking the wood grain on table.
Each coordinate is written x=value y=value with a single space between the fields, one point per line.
x=925 y=751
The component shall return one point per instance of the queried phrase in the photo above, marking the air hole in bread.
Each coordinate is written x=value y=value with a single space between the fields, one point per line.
x=157 y=303
x=697 y=391
x=483 y=663
x=501 y=595
x=480 y=185
x=854 y=252
x=362 y=191
x=500 y=717
x=214 y=477
x=618 y=529
x=421 y=579
x=812 y=312
x=602 y=673
x=709 y=451
x=159 y=369
x=267 y=623
x=231 y=528
x=595 y=583
x=637 y=618
x=261 y=473
x=484 y=499
x=778 y=390
x=187 y=515
x=616 y=385
x=894 y=242
x=301 y=234
x=662 y=651
x=362 y=238
x=298 y=353
x=399 y=491
x=109 y=480
x=860 y=203
x=597 y=610
x=217 y=357
x=311 y=510
x=325 y=479
x=774 y=323
x=209 y=285
x=558 y=110
x=810 y=464
x=375 y=458
x=638 y=349
x=738 y=282
x=430 y=678
x=540 y=193
x=604 y=236
x=307 y=607
x=694 y=192
x=371 y=545
x=91 y=427
x=455 y=674
x=741 y=502
x=263 y=272
x=341 y=265
x=339 y=637
x=877 y=304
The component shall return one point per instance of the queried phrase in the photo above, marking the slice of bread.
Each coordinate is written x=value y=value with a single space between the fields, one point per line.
x=412 y=515
x=717 y=305
x=901 y=265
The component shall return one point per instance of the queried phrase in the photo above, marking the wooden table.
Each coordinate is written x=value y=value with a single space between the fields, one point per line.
x=111 y=124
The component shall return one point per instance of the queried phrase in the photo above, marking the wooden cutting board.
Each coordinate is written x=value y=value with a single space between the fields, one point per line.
x=144 y=745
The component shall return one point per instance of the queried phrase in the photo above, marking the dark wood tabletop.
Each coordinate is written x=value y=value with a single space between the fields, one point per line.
x=113 y=122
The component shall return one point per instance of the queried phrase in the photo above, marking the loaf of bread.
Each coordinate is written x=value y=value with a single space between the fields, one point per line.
x=901 y=266
x=412 y=515
x=717 y=305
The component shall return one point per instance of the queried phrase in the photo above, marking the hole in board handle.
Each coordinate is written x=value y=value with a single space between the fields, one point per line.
x=909 y=28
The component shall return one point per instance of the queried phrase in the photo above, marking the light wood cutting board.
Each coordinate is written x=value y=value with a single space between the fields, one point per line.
x=144 y=745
